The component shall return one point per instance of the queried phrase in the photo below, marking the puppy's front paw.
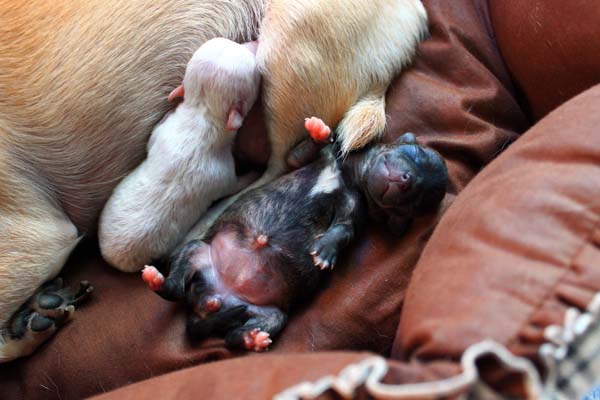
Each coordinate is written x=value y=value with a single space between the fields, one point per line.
x=324 y=254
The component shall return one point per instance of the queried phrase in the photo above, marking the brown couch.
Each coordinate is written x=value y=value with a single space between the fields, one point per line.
x=518 y=244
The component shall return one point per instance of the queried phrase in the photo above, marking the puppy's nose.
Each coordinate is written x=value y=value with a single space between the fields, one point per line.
x=395 y=191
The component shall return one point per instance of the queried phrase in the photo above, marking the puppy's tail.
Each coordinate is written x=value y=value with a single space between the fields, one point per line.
x=363 y=123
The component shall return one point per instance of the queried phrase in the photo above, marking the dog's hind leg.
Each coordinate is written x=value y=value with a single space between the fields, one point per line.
x=36 y=240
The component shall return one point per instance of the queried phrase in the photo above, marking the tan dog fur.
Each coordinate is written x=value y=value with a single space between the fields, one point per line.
x=83 y=82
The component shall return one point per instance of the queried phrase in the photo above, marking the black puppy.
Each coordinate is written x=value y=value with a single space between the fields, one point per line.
x=261 y=255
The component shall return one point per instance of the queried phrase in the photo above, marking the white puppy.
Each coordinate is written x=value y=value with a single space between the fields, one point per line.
x=189 y=163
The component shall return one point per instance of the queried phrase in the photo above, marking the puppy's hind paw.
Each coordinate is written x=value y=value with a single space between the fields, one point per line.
x=318 y=130
x=257 y=340
x=153 y=277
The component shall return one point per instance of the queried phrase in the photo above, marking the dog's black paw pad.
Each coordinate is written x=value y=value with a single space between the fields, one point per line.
x=40 y=323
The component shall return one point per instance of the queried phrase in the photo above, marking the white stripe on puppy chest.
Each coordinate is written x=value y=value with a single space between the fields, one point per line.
x=328 y=181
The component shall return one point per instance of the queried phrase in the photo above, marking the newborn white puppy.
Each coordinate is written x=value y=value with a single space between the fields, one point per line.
x=189 y=163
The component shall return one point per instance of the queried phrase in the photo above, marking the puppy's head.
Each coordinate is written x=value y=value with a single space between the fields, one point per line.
x=403 y=178
x=223 y=77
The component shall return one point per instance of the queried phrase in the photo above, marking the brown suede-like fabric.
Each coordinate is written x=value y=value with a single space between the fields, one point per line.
x=263 y=377
x=551 y=48
x=518 y=247
x=245 y=378
x=457 y=98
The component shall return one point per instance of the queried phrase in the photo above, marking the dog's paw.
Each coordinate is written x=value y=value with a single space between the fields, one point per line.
x=153 y=277
x=324 y=254
x=318 y=130
x=52 y=306
x=257 y=340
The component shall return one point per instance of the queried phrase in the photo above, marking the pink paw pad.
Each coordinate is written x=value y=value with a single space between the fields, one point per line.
x=318 y=130
x=153 y=277
x=257 y=340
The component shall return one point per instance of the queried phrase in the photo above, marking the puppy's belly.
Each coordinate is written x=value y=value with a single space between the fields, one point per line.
x=250 y=273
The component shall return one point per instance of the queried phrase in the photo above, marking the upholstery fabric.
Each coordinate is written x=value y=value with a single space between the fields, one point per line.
x=245 y=377
x=549 y=47
x=511 y=266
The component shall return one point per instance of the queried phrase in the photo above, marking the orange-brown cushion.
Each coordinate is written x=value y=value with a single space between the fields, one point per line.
x=249 y=378
x=263 y=377
x=550 y=48
x=519 y=246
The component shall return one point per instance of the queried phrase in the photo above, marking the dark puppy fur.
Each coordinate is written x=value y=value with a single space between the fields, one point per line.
x=271 y=247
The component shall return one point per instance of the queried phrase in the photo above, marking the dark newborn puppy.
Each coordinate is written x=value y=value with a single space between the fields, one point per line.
x=271 y=247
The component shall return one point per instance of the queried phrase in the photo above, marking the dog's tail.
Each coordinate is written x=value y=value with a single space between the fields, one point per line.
x=363 y=123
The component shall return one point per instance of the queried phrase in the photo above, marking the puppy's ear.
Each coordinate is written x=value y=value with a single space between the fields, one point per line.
x=407 y=138
x=177 y=93
x=234 y=119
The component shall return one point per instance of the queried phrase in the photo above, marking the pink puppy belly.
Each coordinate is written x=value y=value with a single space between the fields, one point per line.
x=246 y=271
